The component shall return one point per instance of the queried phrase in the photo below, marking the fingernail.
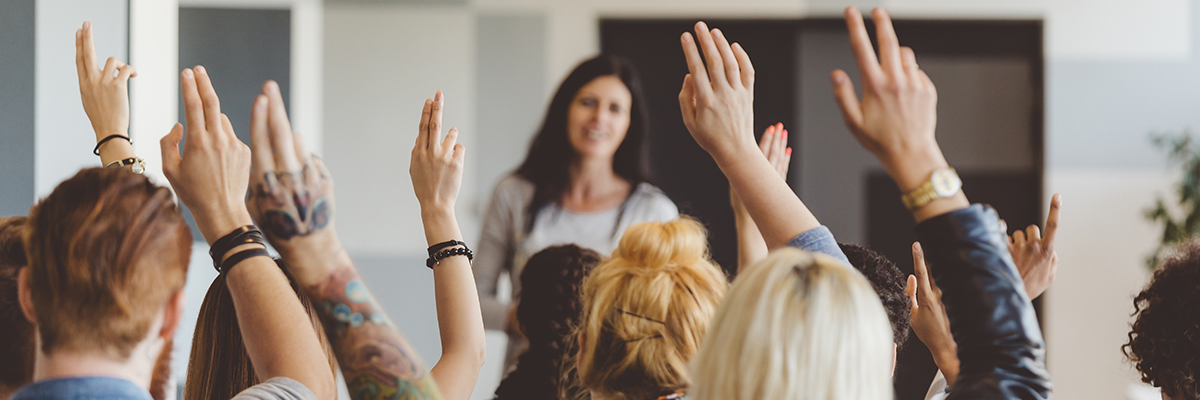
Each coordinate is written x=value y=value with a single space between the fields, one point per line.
x=438 y=96
x=260 y=103
x=785 y=135
x=200 y=70
x=839 y=78
x=187 y=72
x=917 y=247
x=78 y=33
x=273 y=87
x=87 y=25
x=687 y=37
x=788 y=151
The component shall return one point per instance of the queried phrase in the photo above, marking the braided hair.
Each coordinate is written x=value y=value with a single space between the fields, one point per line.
x=548 y=308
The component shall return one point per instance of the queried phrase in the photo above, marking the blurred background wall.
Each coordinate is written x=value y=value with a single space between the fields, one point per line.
x=358 y=71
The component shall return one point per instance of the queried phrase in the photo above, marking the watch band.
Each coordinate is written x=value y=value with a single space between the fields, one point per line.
x=920 y=196
x=943 y=182
x=138 y=164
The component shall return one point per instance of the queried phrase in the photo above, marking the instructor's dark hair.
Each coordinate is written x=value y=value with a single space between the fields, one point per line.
x=1164 y=342
x=547 y=165
x=548 y=308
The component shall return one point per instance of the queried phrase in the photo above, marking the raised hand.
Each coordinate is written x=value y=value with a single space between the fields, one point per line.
x=105 y=94
x=929 y=318
x=436 y=166
x=717 y=100
x=1034 y=254
x=897 y=116
x=210 y=176
x=291 y=195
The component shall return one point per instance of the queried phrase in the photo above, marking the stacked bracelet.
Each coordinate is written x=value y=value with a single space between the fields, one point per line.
x=437 y=254
x=244 y=235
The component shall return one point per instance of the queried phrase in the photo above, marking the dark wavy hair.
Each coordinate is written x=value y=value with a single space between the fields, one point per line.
x=547 y=165
x=888 y=282
x=1164 y=342
x=17 y=335
x=548 y=308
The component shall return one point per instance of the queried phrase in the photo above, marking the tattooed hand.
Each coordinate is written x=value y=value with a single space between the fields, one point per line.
x=291 y=191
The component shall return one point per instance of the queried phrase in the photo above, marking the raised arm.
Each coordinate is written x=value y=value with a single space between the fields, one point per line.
x=292 y=199
x=210 y=177
x=717 y=101
x=1000 y=348
x=105 y=95
x=436 y=171
x=751 y=246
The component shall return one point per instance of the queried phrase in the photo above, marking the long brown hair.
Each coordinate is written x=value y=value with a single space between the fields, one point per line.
x=16 y=338
x=219 y=366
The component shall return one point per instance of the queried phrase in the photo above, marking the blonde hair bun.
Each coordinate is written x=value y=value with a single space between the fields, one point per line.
x=663 y=244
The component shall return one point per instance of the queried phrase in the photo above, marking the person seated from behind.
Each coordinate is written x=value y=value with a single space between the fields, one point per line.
x=646 y=311
x=547 y=312
x=16 y=336
x=1164 y=343
x=1003 y=354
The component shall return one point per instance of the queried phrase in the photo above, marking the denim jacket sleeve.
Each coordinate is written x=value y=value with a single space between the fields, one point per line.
x=1000 y=348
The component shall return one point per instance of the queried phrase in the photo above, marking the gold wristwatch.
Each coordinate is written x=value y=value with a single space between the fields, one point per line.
x=942 y=183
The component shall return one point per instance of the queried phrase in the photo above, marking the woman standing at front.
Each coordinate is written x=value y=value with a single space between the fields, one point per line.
x=583 y=182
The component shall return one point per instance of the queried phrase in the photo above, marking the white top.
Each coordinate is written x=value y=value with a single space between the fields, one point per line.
x=504 y=247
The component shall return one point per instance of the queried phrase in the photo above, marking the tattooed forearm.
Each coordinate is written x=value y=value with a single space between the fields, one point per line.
x=376 y=359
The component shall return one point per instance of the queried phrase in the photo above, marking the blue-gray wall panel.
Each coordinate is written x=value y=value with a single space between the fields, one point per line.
x=16 y=105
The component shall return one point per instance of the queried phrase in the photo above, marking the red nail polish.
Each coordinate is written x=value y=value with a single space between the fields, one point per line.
x=788 y=151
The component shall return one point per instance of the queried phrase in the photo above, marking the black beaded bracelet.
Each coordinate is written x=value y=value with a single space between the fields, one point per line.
x=96 y=150
x=242 y=235
x=444 y=254
x=438 y=247
x=241 y=256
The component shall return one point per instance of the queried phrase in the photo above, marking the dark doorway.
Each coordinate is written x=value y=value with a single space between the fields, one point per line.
x=990 y=84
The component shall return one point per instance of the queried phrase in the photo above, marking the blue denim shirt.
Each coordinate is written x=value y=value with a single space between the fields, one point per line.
x=819 y=240
x=92 y=387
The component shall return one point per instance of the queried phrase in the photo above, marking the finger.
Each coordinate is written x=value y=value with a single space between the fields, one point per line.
x=908 y=59
x=460 y=154
x=1033 y=233
x=193 y=107
x=732 y=72
x=80 y=68
x=702 y=88
x=208 y=95
x=1052 y=221
x=921 y=270
x=170 y=150
x=1018 y=237
x=860 y=42
x=227 y=126
x=744 y=64
x=780 y=144
x=125 y=73
x=787 y=162
x=260 y=136
x=423 y=127
x=889 y=44
x=281 y=129
x=302 y=154
x=89 y=49
x=910 y=289
x=764 y=144
x=847 y=99
x=434 y=133
x=716 y=67
x=110 y=67
x=451 y=139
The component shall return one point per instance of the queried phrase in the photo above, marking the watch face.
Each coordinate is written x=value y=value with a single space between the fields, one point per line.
x=945 y=182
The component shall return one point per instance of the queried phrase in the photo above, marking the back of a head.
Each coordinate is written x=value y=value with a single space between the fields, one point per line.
x=797 y=326
x=548 y=308
x=1164 y=342
x=646 y=310
x=107 y=249
x=888 y=282
x=219 y=366
x=16 y=333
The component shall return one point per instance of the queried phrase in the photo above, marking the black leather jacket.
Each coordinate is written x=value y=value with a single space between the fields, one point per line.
x=1000 y=348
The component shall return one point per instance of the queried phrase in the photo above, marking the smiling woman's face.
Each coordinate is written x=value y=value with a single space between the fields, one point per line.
x=599 y=117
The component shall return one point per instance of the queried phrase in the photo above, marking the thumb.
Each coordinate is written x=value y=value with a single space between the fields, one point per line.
x=170 y=150
x=687 y=100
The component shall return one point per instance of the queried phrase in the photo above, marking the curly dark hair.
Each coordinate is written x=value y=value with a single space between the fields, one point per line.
x=888 y=282
x=548 y=308
x=1164 y=343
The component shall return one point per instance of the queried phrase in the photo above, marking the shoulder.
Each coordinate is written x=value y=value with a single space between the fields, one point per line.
x=513 y=187
x=278 y=388
x=650 y=199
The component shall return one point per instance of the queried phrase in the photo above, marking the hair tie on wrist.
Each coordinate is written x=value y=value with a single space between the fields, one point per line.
x=96 y=150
